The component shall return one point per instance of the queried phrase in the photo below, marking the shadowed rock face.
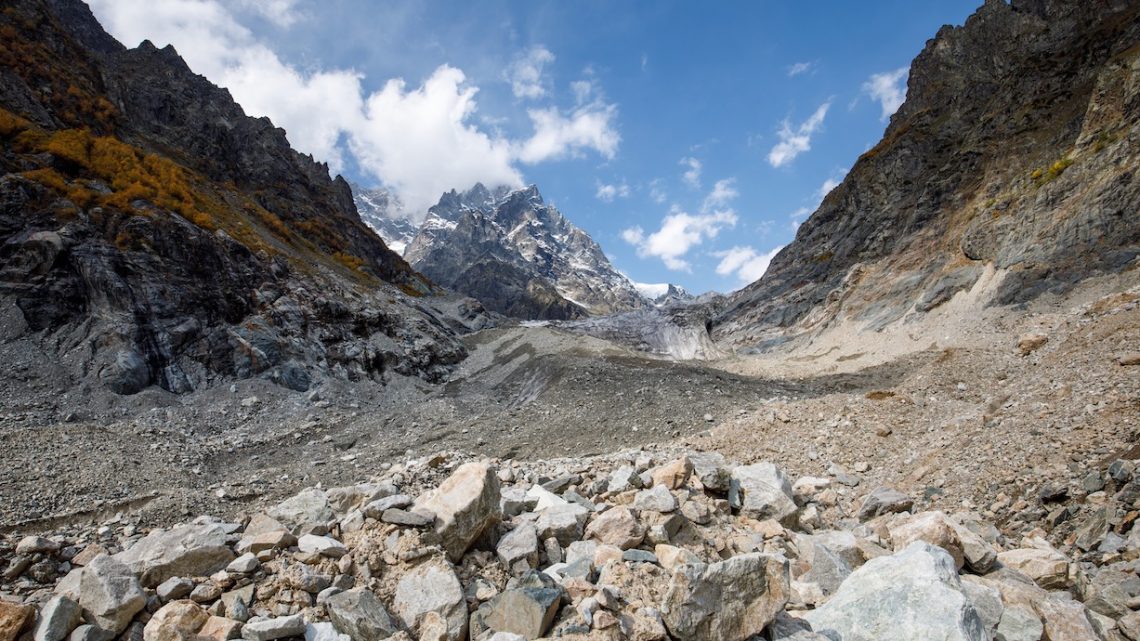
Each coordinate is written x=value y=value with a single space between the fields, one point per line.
x=1015 y=148
x=153 y=234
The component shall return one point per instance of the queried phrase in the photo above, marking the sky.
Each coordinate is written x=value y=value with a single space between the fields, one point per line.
x=688 y=139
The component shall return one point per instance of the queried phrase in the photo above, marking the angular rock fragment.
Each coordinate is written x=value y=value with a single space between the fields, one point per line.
x=464 y=505
x=186 y=550
x=732 y=599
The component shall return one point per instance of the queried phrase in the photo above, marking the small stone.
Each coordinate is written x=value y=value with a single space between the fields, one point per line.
x=206 y=593
x=527 y=611
x=221 y=629
x=518 y=550
x=884 y=500
x=1031 y=342
x=1046 y=566
x=277 y=628
x=322 y=545
x=623 y=479
x=673 y=475
x=265 y=541
x=244 y=564
x=762 y=491
x=562 y=522
x=397 y=516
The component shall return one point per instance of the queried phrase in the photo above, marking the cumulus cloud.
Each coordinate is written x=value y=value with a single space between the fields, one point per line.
x=558 y=135
x=657 y=191
x=748 y=264
x=797 y=140
x=525 y=73
x=692 y=175
x=679 y=232
x=722 y=193
x=607 y=193
x=800 y=68
x=889 y=89
x=419 y=141
x=404 y=132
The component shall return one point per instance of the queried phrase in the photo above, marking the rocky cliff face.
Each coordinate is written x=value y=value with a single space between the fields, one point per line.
x=152 y=234
x=519 y=256
x=1014 y=156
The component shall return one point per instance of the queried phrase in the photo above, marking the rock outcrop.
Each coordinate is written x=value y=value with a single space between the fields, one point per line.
x=153 y=234
x=1015 y=152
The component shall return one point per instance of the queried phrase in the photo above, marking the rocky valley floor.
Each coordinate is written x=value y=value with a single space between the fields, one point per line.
x=1023 y=419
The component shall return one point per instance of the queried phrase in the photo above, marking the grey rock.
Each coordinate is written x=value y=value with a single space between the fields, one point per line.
x=431 y=597
x=88 y=632
x=360 y=615
x=174 y=588
x=656 y=499
x=307 y=506
x=275 y=628
x=518 y=549
x=324 y=631
x=1019 y=624
x=638 y=556
x=884 y=500
x=986 y=601
x=58 y=617
x=732 y=599
x=323 y=545
x=762 y=491
x=186 y=550
x=374 y=509
x=109 y=594
x=244 y=564
x=623 y=479
x=712 y=471
x=527 y=611
x=562 y=522
x=397 y=516
x=36 y=545
x=913 y=594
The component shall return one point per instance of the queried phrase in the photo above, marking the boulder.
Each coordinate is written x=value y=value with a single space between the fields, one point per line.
x=564 y=523
x=913 y=594
x=275 y=628
x=187 y=550
x=673 y=475
x=360 y=615
x=617 y=527
x=518 y=550
x=656 y=499
x=623 y=479
x=932 y=527
x=175 y=621
x=244 y=564
x=431 y=594
x=13 y=618
x=309 y=506
x=464 y=505
x=884 y=500
x=527 y=610
x=58 y=617
x=732 y=600
x=762 y=491
x=1046 y=566
x=269 y=540
x=322 y=545
x=220 y=629
x=711 y=470
x=36 y=545
x=109 y=594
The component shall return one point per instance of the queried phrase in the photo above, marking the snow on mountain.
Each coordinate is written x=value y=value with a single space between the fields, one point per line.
x=529 y=245
x=384 y=213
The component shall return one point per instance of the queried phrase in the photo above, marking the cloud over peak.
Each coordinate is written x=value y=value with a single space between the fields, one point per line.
x=889 y=89
x=525 y=73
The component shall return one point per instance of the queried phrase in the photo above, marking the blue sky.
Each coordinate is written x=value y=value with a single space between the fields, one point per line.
x=689 y=139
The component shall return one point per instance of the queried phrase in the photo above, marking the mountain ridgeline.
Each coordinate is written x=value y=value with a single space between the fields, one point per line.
x=1011 y=169
x=518 y=255
x=153 y=234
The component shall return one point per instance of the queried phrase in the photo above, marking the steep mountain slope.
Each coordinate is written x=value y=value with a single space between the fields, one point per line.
x=1014 y=158
x=384 y=213
x=151 y=233
x=519 y=256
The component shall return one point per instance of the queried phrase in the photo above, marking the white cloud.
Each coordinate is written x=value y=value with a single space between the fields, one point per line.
x=722 y=193
x=282 y=13
x=558 y=136
x=525 y=73
x=745 y=262
x=889 y=88
x=419 y=141
x=794 y=142
x=692 y=175
x=679 y=232
x=607 y=193
x=657 y=191
x=582 y=90
x=800 y=68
